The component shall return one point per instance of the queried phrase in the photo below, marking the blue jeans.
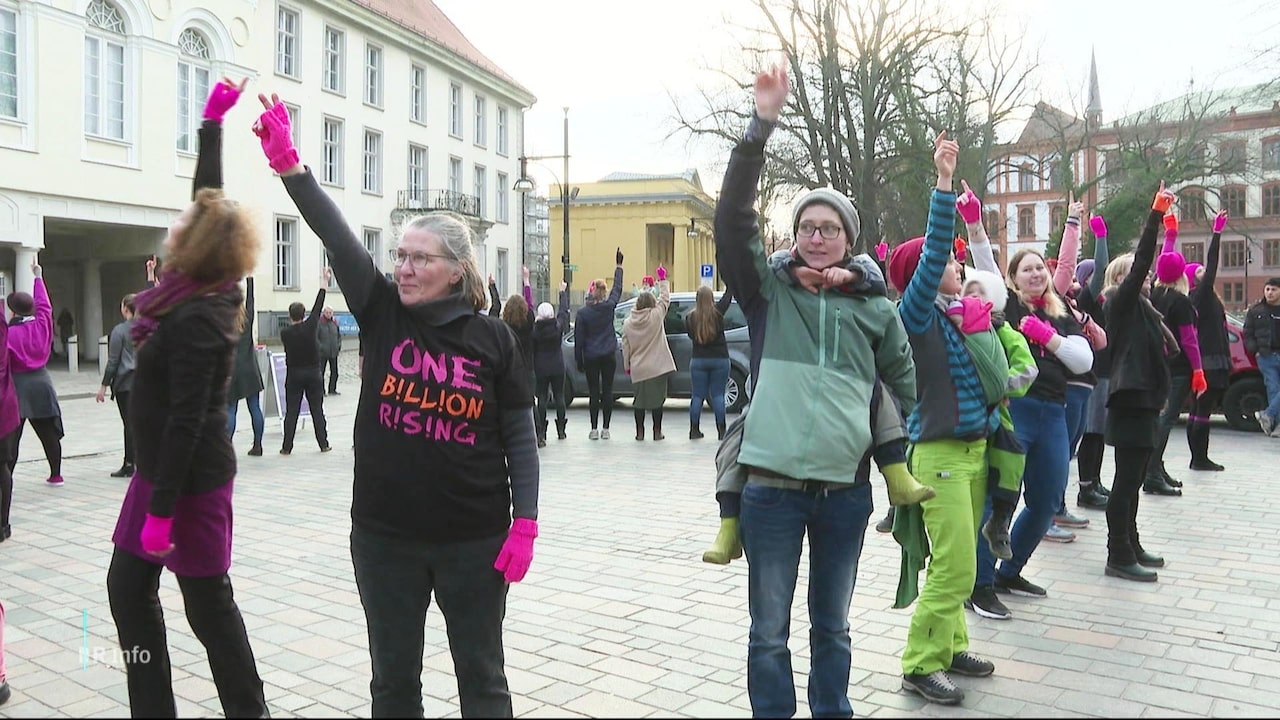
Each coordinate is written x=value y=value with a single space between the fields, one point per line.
x=773 y=526
x=708 y=377
x=1269 y=365
x=1041 y=427
x=255 y=415
x=1077 y=406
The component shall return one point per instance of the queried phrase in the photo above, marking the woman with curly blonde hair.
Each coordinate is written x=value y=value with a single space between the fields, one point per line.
x=177 y=513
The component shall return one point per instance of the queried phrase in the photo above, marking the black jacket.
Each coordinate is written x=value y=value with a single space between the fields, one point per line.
x=1259 y=329
x=593 y=333
x=246 y=377
x=547 y=337
x=1139 y=373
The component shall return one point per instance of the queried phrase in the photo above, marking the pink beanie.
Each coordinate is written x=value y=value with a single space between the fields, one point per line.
x=1191 y=270
x=1169 y=267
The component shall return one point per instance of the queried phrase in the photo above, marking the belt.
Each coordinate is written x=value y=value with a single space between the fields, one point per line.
x=767 y=478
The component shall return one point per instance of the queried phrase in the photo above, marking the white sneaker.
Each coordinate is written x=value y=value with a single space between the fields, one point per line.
x=604 y=434
x=595 y=435
x=1265 y=422
x=1059 y=534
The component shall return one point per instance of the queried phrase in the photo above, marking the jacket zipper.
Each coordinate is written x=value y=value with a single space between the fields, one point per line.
x=835 y=345
x=822 y=328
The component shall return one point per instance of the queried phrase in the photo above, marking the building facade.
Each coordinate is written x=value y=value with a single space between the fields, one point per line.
x=654 y=219
x=1238 y=145
x=394 y=110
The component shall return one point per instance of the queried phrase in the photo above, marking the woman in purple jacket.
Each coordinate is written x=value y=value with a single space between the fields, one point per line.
x=30 y=341
x=9 y=423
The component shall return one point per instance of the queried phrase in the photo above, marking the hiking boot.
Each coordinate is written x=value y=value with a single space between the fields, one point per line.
x=727 y=545
x=984 y=602
x=936 y=687
x=1265 y=422
x=1059 y=534
x=970 y=665
x=1019 y=585
x=1134 y=572
x=886 y=524
x=1090 y=497
x=996 y=531
x=1066 y=519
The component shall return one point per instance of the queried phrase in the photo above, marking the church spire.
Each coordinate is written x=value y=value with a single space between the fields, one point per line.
x=1093 y=112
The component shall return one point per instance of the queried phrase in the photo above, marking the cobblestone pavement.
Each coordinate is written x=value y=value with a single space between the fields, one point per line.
x=618 y=616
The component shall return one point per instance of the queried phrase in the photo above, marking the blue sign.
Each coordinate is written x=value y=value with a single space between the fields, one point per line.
x=708 y=271
x=346 y=323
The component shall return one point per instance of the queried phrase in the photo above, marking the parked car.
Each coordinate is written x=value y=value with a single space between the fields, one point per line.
x=735 y=326
x=1247 y=393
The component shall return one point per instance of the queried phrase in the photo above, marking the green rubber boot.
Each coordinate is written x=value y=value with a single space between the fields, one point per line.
x=726 y=546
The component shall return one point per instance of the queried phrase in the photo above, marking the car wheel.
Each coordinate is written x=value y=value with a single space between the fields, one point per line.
x=1243 y=399
x=735 y=391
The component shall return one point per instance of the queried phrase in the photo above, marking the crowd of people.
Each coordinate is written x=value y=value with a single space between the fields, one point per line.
x=975 y=388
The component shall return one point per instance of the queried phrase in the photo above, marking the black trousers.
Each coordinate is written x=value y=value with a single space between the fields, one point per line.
x=548 y=388
x=396 y=579
x=299 y=382
x=6 y=480
x=1122 y=505
x=122 y=404
x=133 y=586
x=331 y=365
x=1179 y=386
x=600 y=372
x=49 y=430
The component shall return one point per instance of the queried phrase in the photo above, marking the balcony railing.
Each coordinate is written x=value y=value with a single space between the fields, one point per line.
x=460 y=203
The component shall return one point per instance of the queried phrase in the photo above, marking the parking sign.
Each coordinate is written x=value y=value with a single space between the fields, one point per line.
x=708 y=271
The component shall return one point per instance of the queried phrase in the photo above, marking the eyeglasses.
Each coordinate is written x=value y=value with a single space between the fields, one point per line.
x=830 y=231
x=417 y=260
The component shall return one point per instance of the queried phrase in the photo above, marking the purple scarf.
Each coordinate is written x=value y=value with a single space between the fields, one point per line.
x=173 y=289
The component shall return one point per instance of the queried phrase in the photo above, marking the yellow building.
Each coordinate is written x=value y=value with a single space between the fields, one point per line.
x=655 y=219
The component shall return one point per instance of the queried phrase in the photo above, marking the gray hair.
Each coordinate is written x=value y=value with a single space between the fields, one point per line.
x=457 y=241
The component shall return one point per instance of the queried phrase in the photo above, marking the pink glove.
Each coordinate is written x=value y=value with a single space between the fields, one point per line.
x=882 y=250
x=1098 y=225
x=646 y=281
x=155 y=534
x=276 y=133
x=1037 y=331
x=222 y=99
x=969 y=207
x=1220 y=221
x=517 y=552
x=662 y=273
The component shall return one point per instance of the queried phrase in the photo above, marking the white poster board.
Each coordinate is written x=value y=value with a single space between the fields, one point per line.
x=277 y=370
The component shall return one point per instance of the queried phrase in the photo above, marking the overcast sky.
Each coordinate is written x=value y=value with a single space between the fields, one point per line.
x=615 y=64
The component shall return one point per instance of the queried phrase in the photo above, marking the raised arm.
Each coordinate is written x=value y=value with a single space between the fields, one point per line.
x=970 y=210
x=495 y=307
x=1101 y=255
x=355 y=270
x=615 y=292
x=528 y=290
x=1145 y=254
x=916 y=307
x=1204 y=289
x=209 y=156
x=664 y=291
x=1170 y=233
x=562 y=312
x=726 y=299
x=1068 y=250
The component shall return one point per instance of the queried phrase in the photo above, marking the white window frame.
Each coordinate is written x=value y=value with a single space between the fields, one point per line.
x=503 y=140
x=480 y=187
x=195 y=80
x=333 y=69
x=418 y=94
x=416 y=183
x=500 y=273
x=286 y=244
x=372 y=165
x=374 y=248
x=288 y=40
x=295 y=123
x=332 y=148
x=374 y=61
x=455 y=174
x=16 y=74
x=98 y=41
x=481 y=121
x=455 y=110
x=501 y=201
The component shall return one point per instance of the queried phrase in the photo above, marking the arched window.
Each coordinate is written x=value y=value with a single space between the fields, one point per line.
x=1026 y=222
x=193 y=85
x=104 y=71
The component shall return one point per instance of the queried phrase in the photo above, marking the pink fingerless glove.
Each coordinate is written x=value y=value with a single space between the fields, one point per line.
x=1037 y=331
x=1098 y=225
x=969 y=208
x=276 y=133
x=662 y=273
x=1219 y=223
x=222 y=99
x=882 y=250
x=156 y=532
x=517 y=552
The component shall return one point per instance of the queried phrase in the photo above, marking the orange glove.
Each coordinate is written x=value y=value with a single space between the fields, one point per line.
x=1163 y=200
x=962 y=250
x=1171 y=222
x=1198 y=384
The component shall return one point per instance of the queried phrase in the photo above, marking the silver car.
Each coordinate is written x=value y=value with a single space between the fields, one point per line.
x=735 y=335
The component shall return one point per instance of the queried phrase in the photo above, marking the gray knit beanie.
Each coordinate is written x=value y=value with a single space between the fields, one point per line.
x=839 y=202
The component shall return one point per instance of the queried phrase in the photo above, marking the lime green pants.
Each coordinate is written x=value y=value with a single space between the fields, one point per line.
x=957 y=471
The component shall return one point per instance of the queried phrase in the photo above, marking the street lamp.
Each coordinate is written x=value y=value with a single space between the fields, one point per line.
x=524 y=185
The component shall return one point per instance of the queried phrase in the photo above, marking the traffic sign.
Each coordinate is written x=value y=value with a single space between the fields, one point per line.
x=572 y=268
x=708 y=271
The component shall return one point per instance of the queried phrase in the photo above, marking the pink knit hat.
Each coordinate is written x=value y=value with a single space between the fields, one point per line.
x=1170 y=266
x=1191 y=270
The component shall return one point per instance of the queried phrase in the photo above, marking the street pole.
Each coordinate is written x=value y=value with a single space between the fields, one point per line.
x=564 y=196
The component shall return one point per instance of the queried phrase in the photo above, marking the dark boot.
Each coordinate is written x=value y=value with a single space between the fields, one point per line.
x=657 y=425
x=695 y=431
x=639 y=425
x=720 y=426
x=1089 y=496
x=886 y=524
x=1198 y=441
x=1168 y=479
x=1156 y=485
x=560 y=425
x=996 y=530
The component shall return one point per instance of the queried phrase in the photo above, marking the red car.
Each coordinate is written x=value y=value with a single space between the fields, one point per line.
x=1247 y=394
